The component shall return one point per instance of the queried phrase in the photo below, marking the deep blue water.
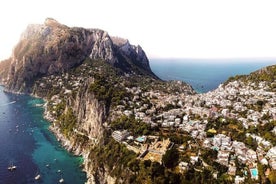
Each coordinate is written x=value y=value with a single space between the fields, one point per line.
x=204 y=75
x=26 y=142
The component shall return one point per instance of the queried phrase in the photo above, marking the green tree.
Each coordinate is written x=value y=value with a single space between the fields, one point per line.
x=170 y=158
x=252 y=143
x=156 y=170
x=272 y=177
x=134 y=165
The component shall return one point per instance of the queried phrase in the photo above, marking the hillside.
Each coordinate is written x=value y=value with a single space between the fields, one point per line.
x=105 y=104
x=267 y=74
x=53 y=48
x=93 y=84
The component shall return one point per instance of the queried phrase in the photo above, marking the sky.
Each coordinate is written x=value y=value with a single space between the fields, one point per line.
x=203 y=29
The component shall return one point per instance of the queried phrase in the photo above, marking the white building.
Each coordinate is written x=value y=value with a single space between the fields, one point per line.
x=120 y=135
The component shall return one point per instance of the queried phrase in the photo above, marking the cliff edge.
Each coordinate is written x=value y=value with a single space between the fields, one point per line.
x=52 y=48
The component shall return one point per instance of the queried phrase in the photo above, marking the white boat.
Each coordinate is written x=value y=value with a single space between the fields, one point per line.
x=37 y=177
x=11 y=167
x=61 y=180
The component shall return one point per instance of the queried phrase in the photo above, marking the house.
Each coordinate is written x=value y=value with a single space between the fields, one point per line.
x=272 y=163
x=239 y=180
x=207 y=143
x=177 y=120
x=271 y=153
x=223 y=157
x=251 y=155
x=242 y=158
x=183 y=166
x=264 y=161
x=232 y=170
x=225 y=112
x=186 y=118
x=120 y=135
x=194 y=159
x=212 y=130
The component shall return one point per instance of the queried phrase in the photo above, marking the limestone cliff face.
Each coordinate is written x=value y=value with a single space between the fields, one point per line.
x=90 y=113
x=52 y=48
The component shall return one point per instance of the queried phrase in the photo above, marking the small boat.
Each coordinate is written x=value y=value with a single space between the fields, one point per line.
x=61 y=180
x=12 y=167
x=37 y=177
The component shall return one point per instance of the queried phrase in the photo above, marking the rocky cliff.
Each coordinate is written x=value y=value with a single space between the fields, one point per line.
x=87 y=79
x=4 y=66
x=53 y=48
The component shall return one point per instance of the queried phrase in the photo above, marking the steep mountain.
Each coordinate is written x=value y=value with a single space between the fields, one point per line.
x=97 y=86
x=90 y=80
x=131 y=127
x=53 y=48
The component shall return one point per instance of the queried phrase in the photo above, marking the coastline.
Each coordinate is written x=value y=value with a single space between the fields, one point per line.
x=69 y=145
x=65 y=143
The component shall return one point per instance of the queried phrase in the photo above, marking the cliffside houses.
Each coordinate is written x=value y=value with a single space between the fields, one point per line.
x=247 y=103
x=250 y=104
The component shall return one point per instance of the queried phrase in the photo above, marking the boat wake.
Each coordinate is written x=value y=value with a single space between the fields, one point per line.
x=8 y=103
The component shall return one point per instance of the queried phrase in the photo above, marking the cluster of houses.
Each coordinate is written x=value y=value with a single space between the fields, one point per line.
x=248 y=103
x=226 y=101
x=237 y=97
x=148 y=150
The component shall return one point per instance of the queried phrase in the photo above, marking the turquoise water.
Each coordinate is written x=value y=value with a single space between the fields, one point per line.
x=204 y=75
x=27 y=143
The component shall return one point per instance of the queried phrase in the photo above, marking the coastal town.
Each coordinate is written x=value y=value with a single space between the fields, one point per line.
x=104 y=104
x=191 y=115
x=224 y=121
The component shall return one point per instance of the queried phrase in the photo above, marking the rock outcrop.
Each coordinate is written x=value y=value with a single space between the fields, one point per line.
x=53 y=48
x=82 y=74
x=4 y=65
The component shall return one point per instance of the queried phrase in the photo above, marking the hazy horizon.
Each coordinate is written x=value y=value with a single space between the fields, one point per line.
x=267 y=61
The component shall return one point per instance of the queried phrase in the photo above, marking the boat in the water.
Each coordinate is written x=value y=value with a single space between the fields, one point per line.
x=37 y=177
x=61 y=180
x=12 y=167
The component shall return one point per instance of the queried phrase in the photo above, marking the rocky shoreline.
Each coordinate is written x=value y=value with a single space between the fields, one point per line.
x=73 y=147
x=94 y=175
x=67 y=144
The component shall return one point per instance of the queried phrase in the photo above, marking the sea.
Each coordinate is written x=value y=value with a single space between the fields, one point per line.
x=27 y=144
x=205 y=75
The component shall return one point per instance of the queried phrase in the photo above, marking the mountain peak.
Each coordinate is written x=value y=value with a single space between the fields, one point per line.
x=50 y=48
x=51 y=22
x=119 y=41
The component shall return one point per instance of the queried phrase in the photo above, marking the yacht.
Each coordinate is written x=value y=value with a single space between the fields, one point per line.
x=61 y=180
x=11 y=167
x=37 y=177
